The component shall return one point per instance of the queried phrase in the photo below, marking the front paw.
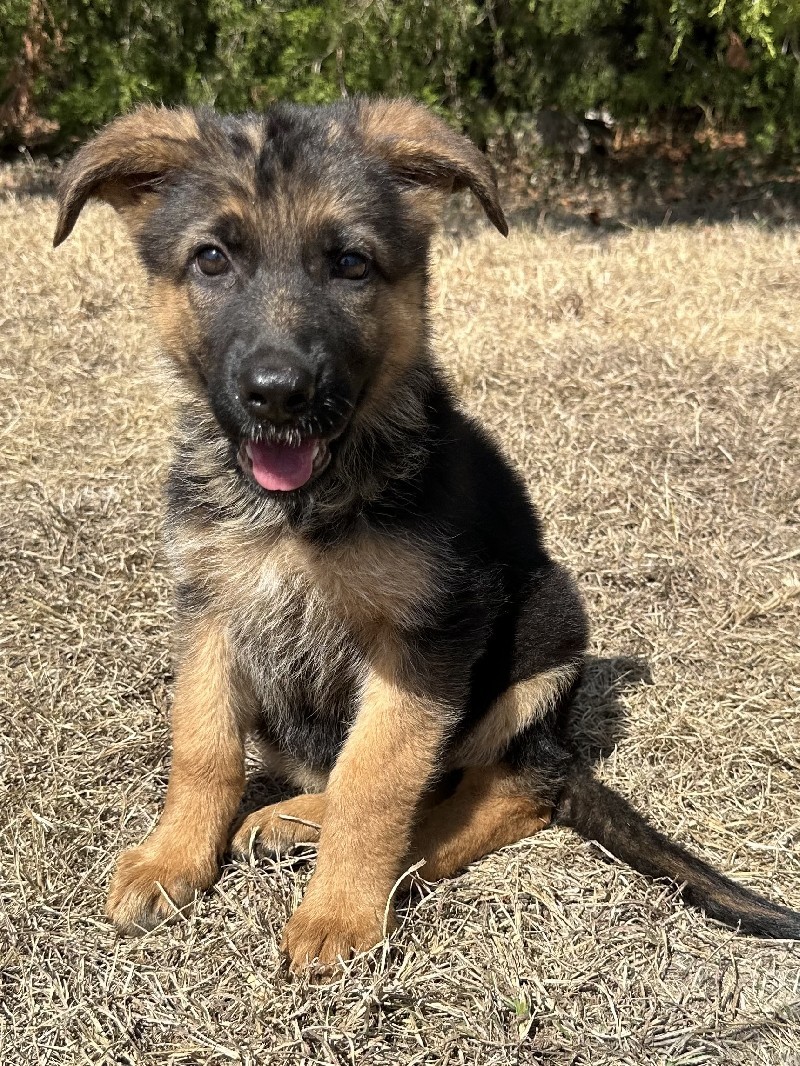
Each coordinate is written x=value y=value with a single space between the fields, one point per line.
x=151 y=885
x=326 y=929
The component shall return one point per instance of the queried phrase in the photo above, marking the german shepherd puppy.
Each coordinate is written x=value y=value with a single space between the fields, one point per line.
x=361 y=579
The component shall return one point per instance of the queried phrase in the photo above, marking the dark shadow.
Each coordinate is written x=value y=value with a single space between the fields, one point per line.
x=261 y=790
x=603 y=205
x=596 y=720
x=33 y=181
x=774 y=205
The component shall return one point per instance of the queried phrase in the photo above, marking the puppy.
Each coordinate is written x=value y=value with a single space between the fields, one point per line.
x=362 y=584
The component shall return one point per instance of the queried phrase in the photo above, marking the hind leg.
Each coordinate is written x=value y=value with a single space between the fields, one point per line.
x=513 y=752
x=491 y=807
x=280 y=825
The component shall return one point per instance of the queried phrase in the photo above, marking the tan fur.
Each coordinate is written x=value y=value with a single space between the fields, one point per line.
x=176 y=321
x=489 y=809
x=234 y=203
x=310 y=625
x=399 y=323
x=281 y=825
x=368 y=581
x=420 y=146
x=395 y=324
x=304 y=210
x=324 y=613
x=372 y=797
x=402 y=119
x=118 y=163
x=181 y=856
x=254 y=131
x=519 y=706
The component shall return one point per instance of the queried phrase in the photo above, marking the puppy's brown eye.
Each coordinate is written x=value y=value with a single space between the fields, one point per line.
x=351 y=266
x=211 y=261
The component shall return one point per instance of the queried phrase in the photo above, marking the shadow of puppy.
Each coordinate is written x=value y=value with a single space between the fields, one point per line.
x=596 y=721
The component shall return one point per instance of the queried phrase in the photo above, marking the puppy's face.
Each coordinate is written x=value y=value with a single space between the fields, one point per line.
x=288 y=282
x=287 y=254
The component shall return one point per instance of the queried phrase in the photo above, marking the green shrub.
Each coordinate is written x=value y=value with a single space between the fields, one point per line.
x=731 y=63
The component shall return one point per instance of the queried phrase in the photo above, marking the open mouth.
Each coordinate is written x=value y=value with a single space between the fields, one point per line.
x=283 y=466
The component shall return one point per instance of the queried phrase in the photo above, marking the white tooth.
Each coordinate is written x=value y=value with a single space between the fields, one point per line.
x=248 y=451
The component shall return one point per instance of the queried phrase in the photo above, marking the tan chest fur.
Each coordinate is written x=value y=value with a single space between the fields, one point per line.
x=371 y=581
x=305 y=620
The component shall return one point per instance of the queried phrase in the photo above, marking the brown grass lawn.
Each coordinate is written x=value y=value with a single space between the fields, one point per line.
x=645 y=382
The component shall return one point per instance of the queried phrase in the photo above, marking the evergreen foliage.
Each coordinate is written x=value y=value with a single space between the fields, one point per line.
x=72 y=64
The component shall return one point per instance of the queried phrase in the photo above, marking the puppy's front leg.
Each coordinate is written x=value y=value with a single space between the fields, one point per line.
x=181 y=856
x=372 y=798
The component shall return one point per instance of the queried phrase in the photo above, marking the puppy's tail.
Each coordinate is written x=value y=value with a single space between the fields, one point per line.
x=597 y=813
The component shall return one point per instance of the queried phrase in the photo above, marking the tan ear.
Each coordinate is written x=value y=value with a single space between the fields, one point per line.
x=421 y=148
x=124 y=163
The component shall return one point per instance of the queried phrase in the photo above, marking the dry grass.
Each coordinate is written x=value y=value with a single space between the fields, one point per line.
x=646 y=383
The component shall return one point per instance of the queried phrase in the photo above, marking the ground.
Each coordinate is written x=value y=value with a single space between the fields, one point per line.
x=644 y=379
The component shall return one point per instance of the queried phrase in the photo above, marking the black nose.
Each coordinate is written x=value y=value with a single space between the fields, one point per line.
x=276 y=393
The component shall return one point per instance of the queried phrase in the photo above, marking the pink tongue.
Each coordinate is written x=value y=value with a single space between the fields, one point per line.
x=282 y=467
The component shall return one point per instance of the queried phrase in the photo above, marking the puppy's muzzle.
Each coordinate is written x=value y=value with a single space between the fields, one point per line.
x=285 y=446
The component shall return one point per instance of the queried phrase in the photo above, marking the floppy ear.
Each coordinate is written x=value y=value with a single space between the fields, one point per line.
x=124 y=163
x=422 y=149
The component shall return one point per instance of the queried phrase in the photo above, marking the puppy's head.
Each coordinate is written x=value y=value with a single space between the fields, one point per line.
x=287 y=254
